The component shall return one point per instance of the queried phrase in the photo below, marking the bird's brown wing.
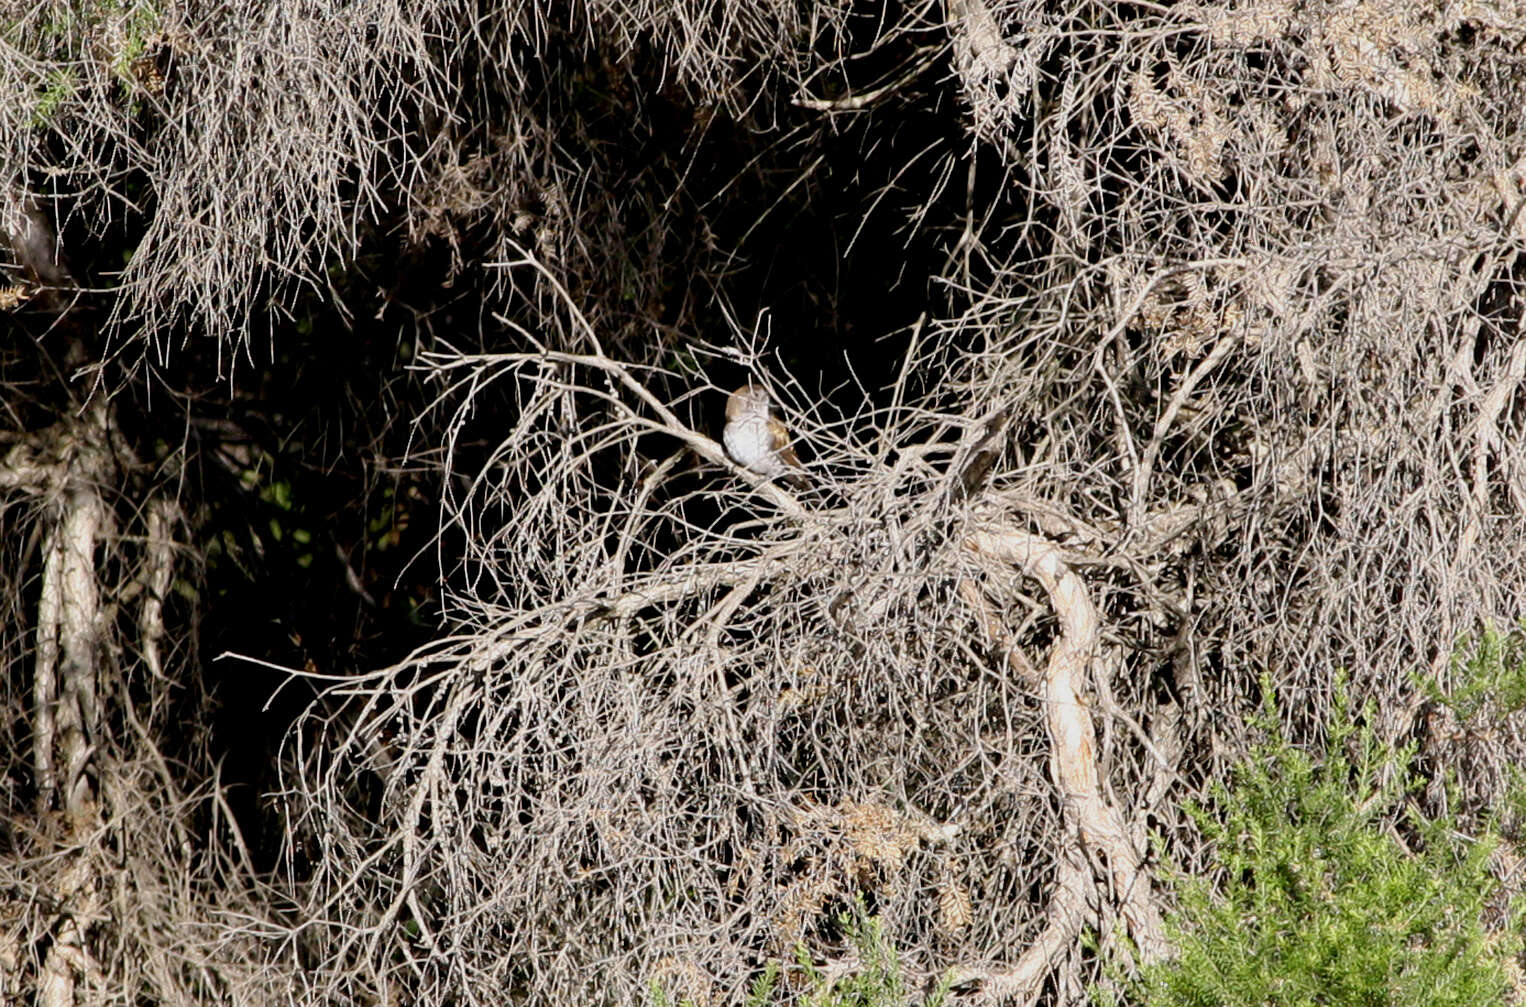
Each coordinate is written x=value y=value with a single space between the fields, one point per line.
x=785 y=452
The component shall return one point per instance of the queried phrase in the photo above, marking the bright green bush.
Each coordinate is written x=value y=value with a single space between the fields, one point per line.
x=1330 y=889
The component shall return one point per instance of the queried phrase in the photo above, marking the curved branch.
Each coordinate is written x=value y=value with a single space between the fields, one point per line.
x=1099 y=824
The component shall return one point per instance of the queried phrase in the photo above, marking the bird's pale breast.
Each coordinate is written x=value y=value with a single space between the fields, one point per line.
x=750 y=442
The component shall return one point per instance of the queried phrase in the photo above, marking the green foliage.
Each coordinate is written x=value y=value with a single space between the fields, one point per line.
x=139 y=21
x=1514 y=810
x=118 y=30
x=1487 y=684
x=876 y=982
x=56 y=90
x=1492 y=676
x=1319 y=901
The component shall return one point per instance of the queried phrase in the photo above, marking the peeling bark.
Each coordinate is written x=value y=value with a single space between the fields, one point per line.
x=66 y=467
x=69 y=464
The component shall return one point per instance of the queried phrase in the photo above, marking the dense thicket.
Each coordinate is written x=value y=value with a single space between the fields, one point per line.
x=384 y=622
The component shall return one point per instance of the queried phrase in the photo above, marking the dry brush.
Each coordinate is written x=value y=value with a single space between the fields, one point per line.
x=1220 y=378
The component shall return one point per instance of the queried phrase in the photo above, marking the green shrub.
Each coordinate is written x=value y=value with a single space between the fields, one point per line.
x=1488 y=677
x=1318 y=899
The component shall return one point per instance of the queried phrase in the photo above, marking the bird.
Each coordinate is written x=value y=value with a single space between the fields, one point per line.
x=757 y=440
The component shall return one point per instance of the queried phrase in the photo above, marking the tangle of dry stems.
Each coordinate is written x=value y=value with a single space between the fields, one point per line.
x=696 y=712
x=106 y=858
x=1247 y=304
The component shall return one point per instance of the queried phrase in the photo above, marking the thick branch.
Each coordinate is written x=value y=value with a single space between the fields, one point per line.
x=1100 y=825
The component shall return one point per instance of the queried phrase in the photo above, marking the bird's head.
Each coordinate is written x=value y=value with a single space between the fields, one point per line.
x=747 y=400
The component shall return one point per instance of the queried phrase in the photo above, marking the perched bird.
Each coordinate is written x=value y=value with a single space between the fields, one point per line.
x=757 y=440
